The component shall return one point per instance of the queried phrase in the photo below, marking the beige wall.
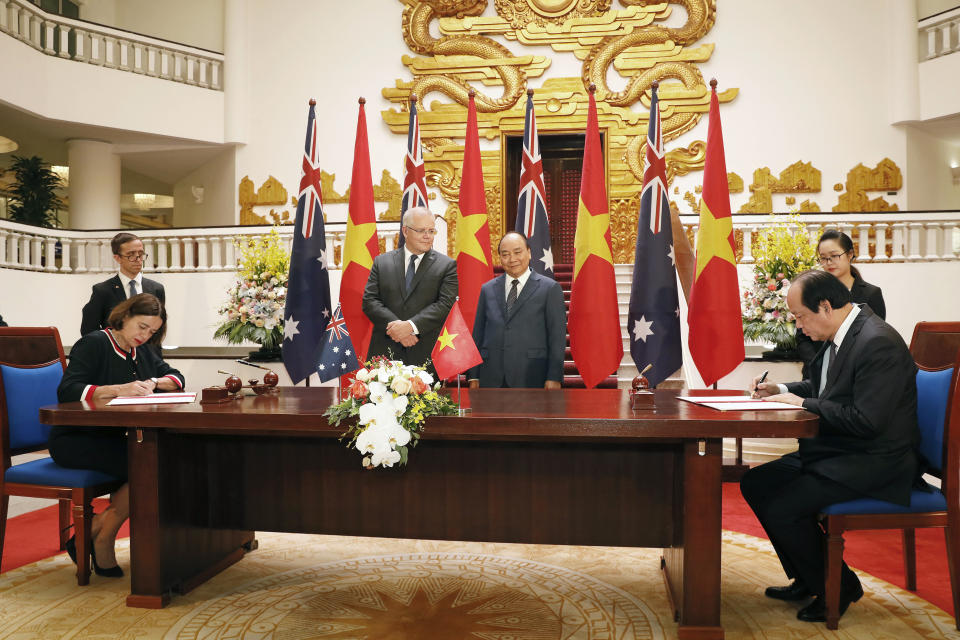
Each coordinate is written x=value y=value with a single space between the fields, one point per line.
x=930 y=182
x=927 y=8
x=218 y=179
x=198 y=23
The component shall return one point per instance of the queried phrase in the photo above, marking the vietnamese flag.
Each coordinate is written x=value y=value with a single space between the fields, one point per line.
x=474 y=263
x=713 y=315
x=594 y=321
x=360 y=244
x=455 y=351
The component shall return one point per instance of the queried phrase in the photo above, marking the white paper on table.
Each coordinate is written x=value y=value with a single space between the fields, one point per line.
x=754 y=405
x=154 y=398
x=702 y=399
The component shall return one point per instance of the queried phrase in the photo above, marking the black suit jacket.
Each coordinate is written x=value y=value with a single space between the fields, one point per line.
x=108 y=294
x=523 y=348
x=868 y=412
x=385 y=299
x=861 y=291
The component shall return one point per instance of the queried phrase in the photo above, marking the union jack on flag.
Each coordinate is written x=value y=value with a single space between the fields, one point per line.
x=532 y=218
x=653 y=321
x=414 y=175
x=308 y=288
x=337 y=357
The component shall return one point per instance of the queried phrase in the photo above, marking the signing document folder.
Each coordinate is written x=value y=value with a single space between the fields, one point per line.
x=154 y=398
x=737 y=403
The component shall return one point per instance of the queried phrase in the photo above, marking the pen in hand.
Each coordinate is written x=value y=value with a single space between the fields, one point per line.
x=756 y=387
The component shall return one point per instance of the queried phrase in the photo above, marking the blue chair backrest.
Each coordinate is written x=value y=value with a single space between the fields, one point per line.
x=26 y=390
x=933 y=392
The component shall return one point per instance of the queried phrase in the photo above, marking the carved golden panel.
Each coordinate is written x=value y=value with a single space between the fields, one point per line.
x=634 y=41
x=760 y=201
x=886 y=176
x=734 y=183
x=809 y=207
x=800 y=177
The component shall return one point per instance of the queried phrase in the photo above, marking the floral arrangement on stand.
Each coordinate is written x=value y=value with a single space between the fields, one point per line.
x=390 y=401
x=781 y=252
x=254 y=311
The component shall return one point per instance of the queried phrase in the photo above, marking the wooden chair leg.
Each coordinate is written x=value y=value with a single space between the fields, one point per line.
x=910 y=558
x=82 y=517
x=4 y=504
x=834 y=570
x=952 y=534
x=63 y=511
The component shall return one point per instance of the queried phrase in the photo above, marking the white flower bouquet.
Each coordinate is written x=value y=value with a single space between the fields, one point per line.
x=390 y=401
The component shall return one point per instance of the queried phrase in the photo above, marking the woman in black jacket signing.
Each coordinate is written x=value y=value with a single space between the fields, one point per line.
x=836 y=257
x=111 y=362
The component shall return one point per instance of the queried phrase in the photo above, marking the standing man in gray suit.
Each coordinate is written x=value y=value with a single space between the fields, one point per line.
x=520 y=329
x=129 y=255
x=410 y=292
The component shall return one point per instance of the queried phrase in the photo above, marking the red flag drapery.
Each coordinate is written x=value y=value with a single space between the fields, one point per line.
x=360 y=244
x=474 y=263
x=714 y=315
x=455 y=350
x=594 y=320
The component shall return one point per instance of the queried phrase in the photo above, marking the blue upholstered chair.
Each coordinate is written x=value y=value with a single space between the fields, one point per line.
x=938 y=414
x=31 y=366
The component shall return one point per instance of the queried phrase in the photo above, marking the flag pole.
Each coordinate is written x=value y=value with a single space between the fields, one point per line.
x=460 y=410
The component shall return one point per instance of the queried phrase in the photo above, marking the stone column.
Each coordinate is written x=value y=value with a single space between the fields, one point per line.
x=94 y=185
x=235 y=71
x=903 y=88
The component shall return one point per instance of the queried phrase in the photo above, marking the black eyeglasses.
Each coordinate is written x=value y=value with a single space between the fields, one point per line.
x=134 y=257
x=833 y=257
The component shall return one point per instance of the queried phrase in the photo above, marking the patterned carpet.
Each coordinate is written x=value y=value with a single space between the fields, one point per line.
x=334 y=588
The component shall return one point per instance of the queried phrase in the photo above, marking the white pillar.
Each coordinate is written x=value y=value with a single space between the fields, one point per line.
x=903 y=58
x=175 y=254
x=65 y=255
x=150 y=250
x=914 y=234
x=880 y=253
x=94 y=185
x=3 y=247
x=189 y=261
x=81 y=256
x=933 y=247
x=235 y=71
x=864 y=254
x=203 y=253
x=161 y=254
x=898 y=241
x=230 y=262
x=50 y=254
x=215 y=254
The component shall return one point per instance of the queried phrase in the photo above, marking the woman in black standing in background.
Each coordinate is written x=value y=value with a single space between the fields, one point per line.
x=836 y=257
x=105 y=364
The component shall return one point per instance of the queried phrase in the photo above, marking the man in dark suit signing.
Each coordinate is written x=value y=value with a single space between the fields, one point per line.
x=520 y=329
x=409 y=293
x=129 y=255
x=863 y=388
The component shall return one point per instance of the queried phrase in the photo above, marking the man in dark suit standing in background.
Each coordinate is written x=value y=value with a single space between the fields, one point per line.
x=520 y=330
x=863 y=388
x=409 y=293
x=129 y=255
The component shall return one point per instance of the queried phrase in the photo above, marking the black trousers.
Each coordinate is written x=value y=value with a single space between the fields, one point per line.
x=786 y=500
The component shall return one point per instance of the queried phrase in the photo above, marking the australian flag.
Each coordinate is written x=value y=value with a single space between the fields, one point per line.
x=414 y=173
x=653 y=322
x=337 y=356
x=308 y=288
x=531 y=205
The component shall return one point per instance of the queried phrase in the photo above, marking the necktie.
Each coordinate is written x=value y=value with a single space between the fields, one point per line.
x=828 y=357
x=411 y=271
x=512 y=296
x=133 y=288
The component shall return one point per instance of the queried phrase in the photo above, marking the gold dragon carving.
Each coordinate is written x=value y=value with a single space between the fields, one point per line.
x=628 y=41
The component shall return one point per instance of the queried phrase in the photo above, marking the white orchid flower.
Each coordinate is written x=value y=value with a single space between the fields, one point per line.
x=385 y=459
x=378 y=392
x=426 y=377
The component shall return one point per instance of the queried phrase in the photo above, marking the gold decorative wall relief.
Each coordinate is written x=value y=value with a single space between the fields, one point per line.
x=885 y=176
x=631 y=41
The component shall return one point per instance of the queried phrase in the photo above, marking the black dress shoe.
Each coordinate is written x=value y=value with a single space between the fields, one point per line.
x=794 y=591
x=71 y=548
x=106 y=572
x=816 y=611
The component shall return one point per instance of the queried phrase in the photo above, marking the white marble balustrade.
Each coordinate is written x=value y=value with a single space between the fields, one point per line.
x=112 y=48
x=908 y=237
x=939 y=34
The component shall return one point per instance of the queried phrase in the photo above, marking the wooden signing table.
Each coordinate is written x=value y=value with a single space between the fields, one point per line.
x=531 y=466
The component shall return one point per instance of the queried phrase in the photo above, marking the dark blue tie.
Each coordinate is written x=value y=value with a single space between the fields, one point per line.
x=411 y=271
x=133 y=288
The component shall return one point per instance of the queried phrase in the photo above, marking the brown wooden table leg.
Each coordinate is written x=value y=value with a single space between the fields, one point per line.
x=168 y=552
x=692 y=571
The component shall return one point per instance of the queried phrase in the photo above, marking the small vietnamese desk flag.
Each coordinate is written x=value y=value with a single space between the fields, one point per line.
x=337 y=356
x=594 y=320
x=307 y=311
x=414 y=173
x=474 y=263
x=653 y=321
x=455 y=351
x=360 y=245
x=714 y=315
x=531 y=203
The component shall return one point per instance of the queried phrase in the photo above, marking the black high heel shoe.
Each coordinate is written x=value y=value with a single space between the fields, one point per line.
x=106 y=572
x=71 y=548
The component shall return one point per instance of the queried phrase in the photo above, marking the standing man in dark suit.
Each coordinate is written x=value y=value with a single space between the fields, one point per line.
x=129 y=255
x=863 y=387
x=520 y=330
x=410 y=292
